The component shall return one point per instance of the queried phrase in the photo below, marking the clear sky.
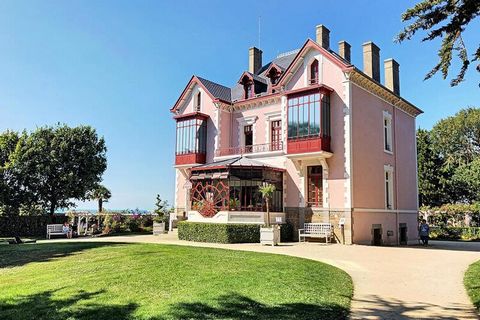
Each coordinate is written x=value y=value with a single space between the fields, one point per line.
x=120 y=65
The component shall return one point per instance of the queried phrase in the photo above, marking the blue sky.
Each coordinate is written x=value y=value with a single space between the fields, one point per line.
x=120 y=65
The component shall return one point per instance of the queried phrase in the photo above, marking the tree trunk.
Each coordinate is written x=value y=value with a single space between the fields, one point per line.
x=268 y=213
x=52 y=209
x=100 y=205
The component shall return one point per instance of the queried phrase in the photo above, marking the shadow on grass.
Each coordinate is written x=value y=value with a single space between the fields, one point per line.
x=44 y=305
x=18 y=255
x=374 y=306
x=235 y=306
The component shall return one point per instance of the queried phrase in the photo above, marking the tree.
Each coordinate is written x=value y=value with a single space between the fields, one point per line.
x=449 y=160
x=467 y=179
x=162 y=209
x=267 y=193
x=457 y=138
x=58 y=164
x=101 y=194
x=446 y=19
x=11 y=193
x=432 y=181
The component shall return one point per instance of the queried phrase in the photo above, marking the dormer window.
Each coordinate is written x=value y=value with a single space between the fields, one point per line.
x=198 y=102
x=273 y=72
x=314 y=72
x=247 y=87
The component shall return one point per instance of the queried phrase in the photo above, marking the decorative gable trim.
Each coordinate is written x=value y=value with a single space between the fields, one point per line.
x=188 y=90
x=366 y=83
x=298 y=61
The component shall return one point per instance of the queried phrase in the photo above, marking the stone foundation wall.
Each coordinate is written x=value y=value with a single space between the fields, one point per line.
x=298 y=216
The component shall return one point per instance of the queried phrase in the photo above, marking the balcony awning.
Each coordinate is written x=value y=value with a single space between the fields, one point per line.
x=238 y=162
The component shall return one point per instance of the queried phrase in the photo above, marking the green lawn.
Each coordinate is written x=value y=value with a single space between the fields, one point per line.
x=152 y=281
x=472 y=283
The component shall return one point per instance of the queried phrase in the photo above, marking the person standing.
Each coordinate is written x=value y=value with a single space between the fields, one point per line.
x=424 y=231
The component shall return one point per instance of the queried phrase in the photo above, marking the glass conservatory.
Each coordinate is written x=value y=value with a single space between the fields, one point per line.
x=233 y=185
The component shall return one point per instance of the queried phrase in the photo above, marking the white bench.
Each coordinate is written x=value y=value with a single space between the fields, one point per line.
x=316 y=230
x=55 y=230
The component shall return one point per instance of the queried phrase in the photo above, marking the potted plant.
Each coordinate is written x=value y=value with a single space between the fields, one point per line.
x=234 y=204
x=269 y=234
x=160 y=221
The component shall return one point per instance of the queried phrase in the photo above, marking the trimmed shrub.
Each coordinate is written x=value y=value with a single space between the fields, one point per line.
x=27 y=226
x=218 y=232
x=286 y=232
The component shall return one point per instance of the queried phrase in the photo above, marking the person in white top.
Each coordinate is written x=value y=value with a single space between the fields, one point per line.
x=66 y=230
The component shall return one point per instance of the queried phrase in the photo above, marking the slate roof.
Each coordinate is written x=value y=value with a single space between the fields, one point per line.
x=236 y=92
x=217 y=90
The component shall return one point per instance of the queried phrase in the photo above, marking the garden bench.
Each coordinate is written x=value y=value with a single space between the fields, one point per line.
x=316 y=230
x=55 y=230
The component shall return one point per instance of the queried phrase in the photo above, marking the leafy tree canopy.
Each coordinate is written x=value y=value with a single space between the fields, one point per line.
x=445 y=19
x=58 y=164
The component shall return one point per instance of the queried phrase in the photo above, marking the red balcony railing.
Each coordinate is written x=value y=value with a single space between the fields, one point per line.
x=256 y=148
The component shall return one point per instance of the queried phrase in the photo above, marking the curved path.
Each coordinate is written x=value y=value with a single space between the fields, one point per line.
x=390 y=282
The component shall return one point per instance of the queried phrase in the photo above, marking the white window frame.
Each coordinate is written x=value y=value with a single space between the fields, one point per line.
x=246 y=121
x=197 y=102
x=388 y=177
x=388 y=137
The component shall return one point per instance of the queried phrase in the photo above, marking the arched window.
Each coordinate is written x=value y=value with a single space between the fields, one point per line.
x=247 y=87
x=198 y=101
x=314 y=72
x=273 y=74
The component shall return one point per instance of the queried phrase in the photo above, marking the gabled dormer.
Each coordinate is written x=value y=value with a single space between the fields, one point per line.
x=252 y=85
x=274 y=73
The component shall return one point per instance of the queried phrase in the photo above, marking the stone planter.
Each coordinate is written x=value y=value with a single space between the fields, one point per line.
x=270 y=235
x=158 y=228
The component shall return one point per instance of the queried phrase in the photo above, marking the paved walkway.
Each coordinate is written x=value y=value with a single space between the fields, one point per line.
x=390 y=282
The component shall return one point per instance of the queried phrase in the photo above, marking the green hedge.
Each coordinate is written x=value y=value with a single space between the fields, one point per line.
x=455 y=233
x=227 y=233
x=27 y=226
x=218 y=232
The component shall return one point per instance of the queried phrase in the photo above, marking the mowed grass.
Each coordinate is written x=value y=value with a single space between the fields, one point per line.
x=472 y=283
x=153 y=281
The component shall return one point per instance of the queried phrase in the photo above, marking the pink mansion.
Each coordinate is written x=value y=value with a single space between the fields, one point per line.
x=338 y=145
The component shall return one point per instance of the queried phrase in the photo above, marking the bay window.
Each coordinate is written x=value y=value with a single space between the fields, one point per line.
x=309 y=116
x=191 y=136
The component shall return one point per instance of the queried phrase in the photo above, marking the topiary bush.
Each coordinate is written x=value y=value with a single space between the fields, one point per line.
x=218 y=232
x=286 y=232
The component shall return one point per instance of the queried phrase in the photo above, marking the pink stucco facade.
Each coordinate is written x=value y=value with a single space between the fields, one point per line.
x=371 y=191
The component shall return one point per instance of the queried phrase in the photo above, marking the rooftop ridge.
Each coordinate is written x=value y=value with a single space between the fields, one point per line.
x=287 y=53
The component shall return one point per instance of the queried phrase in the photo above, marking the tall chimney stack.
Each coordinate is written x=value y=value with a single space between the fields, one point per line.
x=371 y=60
x=344 y=50
x=392 y=75
x=254 y=60
x=323 y=36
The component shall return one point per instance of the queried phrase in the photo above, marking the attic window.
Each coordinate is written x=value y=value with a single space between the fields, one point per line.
x=247 y=87
x=274 y=75
x=314 y=72
x=198 y=101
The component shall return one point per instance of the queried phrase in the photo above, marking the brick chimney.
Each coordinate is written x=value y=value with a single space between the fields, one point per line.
x=254 y=60
x=392 y=75
x=323 y=36
x=371 y=60
x=344 y=50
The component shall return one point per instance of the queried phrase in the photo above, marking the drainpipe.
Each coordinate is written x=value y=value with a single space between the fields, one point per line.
x=395 y=152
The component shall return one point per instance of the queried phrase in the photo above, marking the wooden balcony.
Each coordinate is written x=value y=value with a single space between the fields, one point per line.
x=256 y=148
x=308 y=144
x=190 y=158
